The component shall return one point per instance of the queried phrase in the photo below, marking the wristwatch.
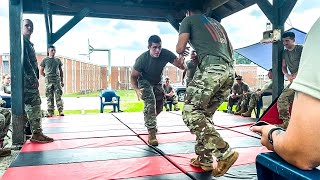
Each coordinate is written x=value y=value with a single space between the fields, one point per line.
x=270 y=133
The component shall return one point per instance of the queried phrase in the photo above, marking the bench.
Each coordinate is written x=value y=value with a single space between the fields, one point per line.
x=271 y=166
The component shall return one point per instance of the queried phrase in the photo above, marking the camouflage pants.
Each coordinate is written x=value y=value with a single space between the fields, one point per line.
x=32 y=102
x=188 y=80
x=284 y=101
x=173 y=99
x=210 y=86
x=254 y=99
x=249 y=100
x=54 y=90
x=153 y=96
x=5 y=120
x=234 y=101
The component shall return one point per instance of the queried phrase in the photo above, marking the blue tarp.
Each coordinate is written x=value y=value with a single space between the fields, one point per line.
x=261 y=54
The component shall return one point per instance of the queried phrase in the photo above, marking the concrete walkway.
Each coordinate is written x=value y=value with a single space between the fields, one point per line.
x=74 y=103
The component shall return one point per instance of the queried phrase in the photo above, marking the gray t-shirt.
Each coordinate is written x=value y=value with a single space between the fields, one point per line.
x=292 y=58
x=5 y=88
x=308 y=78
x=151 y=68
x=267 y=86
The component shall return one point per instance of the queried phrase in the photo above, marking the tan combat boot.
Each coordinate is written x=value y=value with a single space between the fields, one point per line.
x=248 y=113
x=229 y=157
x=242 y=110
x=196 y=163
x=61 y=113
x=152 y=139
x=39 y=137
x=4 y=152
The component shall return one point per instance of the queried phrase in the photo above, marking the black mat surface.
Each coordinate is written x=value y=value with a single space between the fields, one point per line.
x=188 y=146
x=234 y=173
x=82 y=155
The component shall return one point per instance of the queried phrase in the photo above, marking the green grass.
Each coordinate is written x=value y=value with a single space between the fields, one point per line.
x=126 y=95
x=129 y=102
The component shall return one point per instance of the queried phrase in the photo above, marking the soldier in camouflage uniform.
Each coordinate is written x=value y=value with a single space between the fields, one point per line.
x=146 y=80
x=32 y=98
x=169 y=95
x=290 y=60
x=239 y=89
x=51 y=69
x=5 y=120
x=255 y=96
x=210 y=86
x=191 y=67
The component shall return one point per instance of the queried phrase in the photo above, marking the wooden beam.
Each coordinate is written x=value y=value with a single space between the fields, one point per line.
x=214 y=4
x=17 y=71
x=63 y=3
x=228 y=7
x=286 y=9
x=267 y=9
x=241 y=2
x=45 y=6
x=70 y=24
x=175 y=24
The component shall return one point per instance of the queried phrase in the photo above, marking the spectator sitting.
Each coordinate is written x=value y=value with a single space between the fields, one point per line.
x=5 y=87
x=238 y=90
x=252 y=98
x=299 y=144
x=170 y=95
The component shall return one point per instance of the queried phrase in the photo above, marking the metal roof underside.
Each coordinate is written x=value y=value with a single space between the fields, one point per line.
x=150 y=10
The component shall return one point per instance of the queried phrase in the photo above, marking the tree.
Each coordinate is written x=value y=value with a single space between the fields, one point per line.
x=240 y=59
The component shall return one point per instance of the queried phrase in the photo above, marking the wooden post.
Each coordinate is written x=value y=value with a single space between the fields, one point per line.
x=277 y=14
x=16 y=63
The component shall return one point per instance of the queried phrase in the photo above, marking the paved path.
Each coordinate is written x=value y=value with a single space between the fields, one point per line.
x=73 y=103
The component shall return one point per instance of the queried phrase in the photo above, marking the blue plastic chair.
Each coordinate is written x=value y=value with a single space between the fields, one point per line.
x=7 y=99
x=106 y=100
x=272 y=167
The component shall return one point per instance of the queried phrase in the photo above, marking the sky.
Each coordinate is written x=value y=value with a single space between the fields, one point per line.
x=128 y=39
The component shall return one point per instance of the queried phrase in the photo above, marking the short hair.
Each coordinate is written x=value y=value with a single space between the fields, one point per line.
x=270 y=70
x=239 y=77
x=290 y=35
x=194 y=5
x=4 y=76
x=27 y=20
x=52 y=46
x=153 y=39
x=167 y=79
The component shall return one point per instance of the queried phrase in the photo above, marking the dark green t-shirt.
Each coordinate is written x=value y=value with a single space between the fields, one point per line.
x=151 y=68
x=239 y=89
x=292 y=58
x=167 y=89
x=51 y=67
x=207 y=36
